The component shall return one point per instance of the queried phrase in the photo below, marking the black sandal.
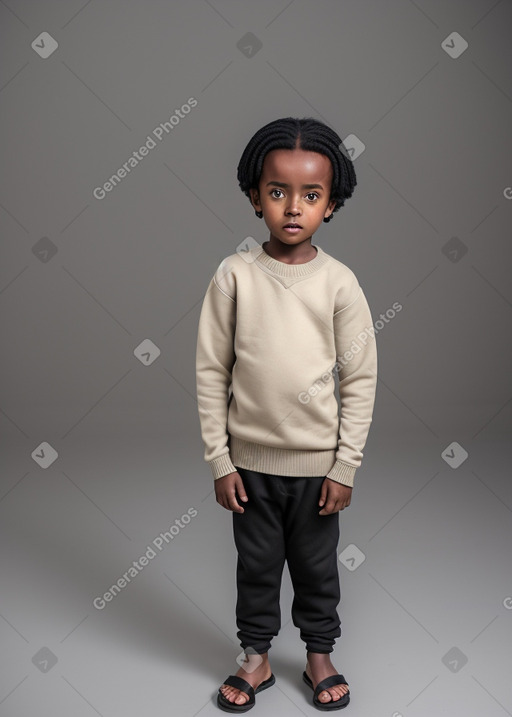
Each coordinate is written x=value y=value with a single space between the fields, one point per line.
x=234 y=681
x=328 y=682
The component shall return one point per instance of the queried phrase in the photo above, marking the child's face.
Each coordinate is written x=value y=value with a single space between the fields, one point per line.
x=283 y=196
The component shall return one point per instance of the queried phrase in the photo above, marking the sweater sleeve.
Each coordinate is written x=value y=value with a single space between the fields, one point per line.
x=215 y=357
x=356 y=353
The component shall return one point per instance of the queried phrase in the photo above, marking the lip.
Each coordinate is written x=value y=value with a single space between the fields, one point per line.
x=292 y=229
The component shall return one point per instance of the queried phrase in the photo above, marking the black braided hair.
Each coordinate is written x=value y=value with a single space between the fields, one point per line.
x=308 y=134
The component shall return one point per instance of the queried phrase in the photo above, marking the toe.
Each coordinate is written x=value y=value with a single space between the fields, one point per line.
x=341 y=691
x=324 y=696
x=329 y=696
x=231 y=694
x=234 y=695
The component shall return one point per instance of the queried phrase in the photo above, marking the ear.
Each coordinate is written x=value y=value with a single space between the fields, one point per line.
x=255 y=199
x=330 y=208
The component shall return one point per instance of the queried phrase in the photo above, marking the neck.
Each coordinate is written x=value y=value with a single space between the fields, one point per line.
x=290 y=254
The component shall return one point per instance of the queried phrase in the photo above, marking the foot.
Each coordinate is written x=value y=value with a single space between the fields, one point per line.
x=255 y=674
x=318 y=667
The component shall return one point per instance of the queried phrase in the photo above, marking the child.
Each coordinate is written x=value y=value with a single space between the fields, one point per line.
x=276 y=321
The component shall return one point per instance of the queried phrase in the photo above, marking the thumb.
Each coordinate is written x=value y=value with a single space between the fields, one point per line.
x=323 y=495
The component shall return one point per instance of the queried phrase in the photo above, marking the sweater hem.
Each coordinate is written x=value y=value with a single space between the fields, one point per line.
x=280 y=461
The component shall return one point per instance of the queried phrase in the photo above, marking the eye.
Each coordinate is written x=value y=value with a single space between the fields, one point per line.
x=312 y=194
x=275 y=190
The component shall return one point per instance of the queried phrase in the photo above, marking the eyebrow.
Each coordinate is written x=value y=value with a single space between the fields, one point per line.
x=304 y=186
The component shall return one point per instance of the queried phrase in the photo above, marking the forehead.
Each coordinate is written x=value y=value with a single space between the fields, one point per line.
x=289 y=165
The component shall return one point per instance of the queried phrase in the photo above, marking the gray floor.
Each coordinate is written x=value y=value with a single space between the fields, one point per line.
x=426 y=616
x=100 y=448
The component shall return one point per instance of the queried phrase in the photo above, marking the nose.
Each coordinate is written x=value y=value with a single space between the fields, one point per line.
x=293 y=208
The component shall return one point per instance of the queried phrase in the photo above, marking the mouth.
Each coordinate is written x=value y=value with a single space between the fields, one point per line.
x=292 y=225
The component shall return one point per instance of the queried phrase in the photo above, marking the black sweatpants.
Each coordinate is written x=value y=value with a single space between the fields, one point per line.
x=281 y=522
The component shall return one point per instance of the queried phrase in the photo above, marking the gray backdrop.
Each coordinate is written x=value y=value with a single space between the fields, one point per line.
x=102 y=459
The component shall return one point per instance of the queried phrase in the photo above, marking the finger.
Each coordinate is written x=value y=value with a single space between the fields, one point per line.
x=241 y=490
x=224 y=502
x=228 y=501
x=327 y=509
x=332 y=506
x=234 y=504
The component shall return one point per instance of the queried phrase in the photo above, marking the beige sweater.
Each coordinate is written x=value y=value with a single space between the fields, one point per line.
x=271 y=337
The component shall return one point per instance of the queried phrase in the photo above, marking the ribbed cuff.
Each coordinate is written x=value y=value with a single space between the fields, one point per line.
x=342 y=473
x=221 y=466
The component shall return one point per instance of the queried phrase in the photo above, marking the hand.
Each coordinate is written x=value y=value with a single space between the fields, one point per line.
x=334 y=496
x=226 y=489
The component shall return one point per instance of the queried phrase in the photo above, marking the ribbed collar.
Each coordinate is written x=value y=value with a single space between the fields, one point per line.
x=292 y=270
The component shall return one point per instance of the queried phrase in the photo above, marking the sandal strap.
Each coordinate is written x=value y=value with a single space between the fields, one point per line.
x=330 y=682
x=240 y=684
